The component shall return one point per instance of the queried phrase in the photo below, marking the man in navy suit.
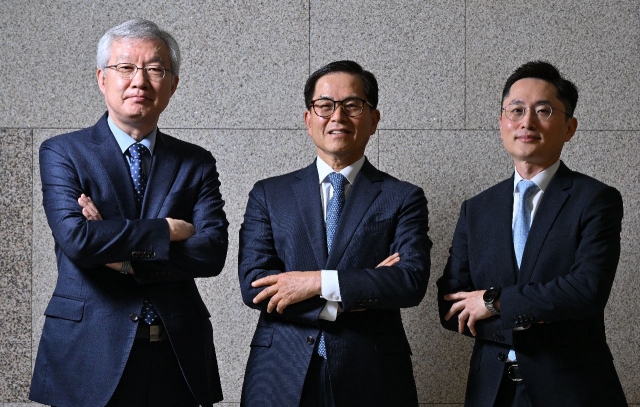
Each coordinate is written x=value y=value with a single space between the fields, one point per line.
x=531 y=284
x=136 y=216
x=330 y=330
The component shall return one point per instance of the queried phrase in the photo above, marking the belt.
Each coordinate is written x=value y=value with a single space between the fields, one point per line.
x=151 y=333
x=513 y=371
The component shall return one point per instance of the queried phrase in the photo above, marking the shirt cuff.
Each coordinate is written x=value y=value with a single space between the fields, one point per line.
x=330 y=288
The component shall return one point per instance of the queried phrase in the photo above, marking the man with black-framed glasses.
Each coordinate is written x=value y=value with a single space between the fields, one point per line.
x=136 y=216
x=329 y=254
x=532 y=263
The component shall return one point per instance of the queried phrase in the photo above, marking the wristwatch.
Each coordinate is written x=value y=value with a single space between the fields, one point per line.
x=489 y=298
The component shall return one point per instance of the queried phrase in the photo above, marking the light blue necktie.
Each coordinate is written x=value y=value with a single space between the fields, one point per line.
x=522 y=224
x=336 y=203
x=139 y=178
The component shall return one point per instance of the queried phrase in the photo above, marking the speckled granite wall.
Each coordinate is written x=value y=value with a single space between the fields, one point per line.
x=441 y=65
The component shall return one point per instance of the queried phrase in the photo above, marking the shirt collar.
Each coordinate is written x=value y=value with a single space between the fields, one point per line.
x=542 y=179
x=350 y=172
x=125 y=141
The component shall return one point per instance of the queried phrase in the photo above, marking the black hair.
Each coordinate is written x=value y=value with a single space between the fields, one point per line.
x=368 y=80
x=566 y=90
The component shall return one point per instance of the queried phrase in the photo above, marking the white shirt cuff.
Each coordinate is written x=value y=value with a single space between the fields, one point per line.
x=330 y=288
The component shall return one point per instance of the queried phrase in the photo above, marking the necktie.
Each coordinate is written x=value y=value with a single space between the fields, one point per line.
x=139 y=178
x=522 y=224
x=336 y=203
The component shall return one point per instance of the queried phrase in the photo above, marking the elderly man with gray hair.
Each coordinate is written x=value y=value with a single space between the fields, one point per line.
x=136 y=216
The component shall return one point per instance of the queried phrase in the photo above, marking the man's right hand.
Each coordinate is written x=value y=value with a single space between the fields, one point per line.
x=180 y=230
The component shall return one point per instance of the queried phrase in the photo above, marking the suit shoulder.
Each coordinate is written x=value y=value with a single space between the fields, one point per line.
x=183 y=146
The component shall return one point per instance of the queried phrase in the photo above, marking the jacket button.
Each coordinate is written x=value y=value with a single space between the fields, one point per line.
x=134 y=317
x=310 y=340
x=502 y=357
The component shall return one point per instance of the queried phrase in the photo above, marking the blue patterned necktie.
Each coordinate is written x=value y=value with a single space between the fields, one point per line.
x=139 y=178
x=336 y=203
x=522 y=224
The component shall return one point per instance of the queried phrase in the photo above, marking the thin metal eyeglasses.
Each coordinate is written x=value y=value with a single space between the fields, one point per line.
x=543 y=111
x=325 y=107
x=128 y=71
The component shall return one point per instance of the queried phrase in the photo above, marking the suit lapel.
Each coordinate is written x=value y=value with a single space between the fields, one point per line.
x=306 y=191
x=552 y=202
x=363 y=192
x=500 y=215
x=107 y=156
x=161 y=175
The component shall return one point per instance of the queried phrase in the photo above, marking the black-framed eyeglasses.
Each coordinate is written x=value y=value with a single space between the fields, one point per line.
x=543 y=111
x=325 y=107
x=126 y=70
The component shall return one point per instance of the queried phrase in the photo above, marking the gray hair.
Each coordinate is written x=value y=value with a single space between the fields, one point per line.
x=137 y=29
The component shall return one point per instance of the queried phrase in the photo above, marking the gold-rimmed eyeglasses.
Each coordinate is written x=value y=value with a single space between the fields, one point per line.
x=129 y=71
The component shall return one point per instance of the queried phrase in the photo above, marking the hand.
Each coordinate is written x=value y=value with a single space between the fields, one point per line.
x=471 y=307
x=390 y=261
x=288 y=288
x=180 y=230
x=89 y=209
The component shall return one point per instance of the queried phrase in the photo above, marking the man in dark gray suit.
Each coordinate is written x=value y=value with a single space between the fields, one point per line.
x=532 y=263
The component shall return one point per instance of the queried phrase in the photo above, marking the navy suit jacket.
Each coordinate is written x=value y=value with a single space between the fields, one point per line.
x=89 y=327
x=367 y=349
x=567 y=270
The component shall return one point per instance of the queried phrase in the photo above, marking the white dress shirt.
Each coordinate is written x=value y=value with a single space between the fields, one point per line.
x=330 y=286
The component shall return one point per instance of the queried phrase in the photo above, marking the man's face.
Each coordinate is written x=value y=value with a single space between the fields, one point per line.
x=531 y=140
x=340 y=139
x=135 y=104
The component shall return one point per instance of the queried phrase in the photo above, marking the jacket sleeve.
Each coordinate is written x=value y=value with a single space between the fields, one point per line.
x=580 y=287
x=92 y=244
x=203 y=254
x=457 y=278
x=258 y=258
x=391 y=287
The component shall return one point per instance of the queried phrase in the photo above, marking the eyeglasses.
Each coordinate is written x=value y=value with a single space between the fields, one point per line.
x=542 y=111
x=352 y=107
x=129 y=71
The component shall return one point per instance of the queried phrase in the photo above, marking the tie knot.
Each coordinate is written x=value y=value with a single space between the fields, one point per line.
x=526 y=188
x=337 y=181
x=138 y=150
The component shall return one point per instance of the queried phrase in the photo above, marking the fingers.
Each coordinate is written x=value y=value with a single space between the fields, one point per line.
x=89 y=208
x=390 y=261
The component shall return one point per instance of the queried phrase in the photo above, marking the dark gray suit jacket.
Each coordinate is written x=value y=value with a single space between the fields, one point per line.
x=561 y=290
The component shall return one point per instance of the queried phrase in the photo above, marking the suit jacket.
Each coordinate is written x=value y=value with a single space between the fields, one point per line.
x=561 y=290
x=368 y=354
x=90 y=321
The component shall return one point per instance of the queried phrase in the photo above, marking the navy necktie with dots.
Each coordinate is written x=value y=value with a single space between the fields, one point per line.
x=139 y=178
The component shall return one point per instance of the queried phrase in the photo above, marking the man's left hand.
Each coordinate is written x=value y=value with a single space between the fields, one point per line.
x=471 y=307
x=288 y=288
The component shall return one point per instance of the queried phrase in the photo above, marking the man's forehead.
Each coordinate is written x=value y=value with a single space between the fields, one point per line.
x=343 y=79
x=532 y=90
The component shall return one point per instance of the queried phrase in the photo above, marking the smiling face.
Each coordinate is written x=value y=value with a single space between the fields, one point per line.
x=533 y=143
x=135 y=104
x=340 y=139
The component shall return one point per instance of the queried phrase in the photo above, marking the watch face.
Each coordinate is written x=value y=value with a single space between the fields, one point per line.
x=490 y=294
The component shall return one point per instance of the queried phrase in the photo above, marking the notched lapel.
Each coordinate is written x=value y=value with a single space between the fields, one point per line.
x=107 y=155
x=362 y=194
x=161 y=176
x=499 y=217
x=306 y=190
x=550 y=206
